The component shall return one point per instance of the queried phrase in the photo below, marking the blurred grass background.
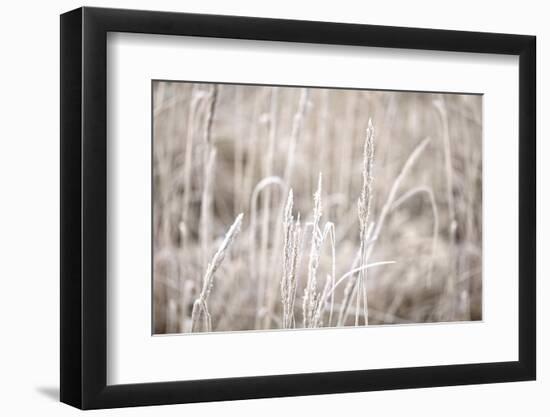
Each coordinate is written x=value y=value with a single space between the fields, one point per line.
x=251 y=130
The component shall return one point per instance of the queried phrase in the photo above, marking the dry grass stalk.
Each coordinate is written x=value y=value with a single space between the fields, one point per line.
x=363 y=209
x=200 y=307
x=330 y=231
x=441 y=108
x=351 y=288
x=386 y=208
x=261 y=186
x=238 y=152
x=206 y=203
x=210 y=115
x=209 y=152
x=311 y=297
x=196 y=96
x=343 y=309
x=321 y=304
x=267 y=197
x=187 y=290
x=323 y=135
x=295 y=134
x=344 y=173
x=453 y=225
x=251 y=153
x=290 y=261
x=349 y=291
x=297 y=126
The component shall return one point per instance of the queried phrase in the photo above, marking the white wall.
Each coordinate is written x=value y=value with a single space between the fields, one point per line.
x=29 y=176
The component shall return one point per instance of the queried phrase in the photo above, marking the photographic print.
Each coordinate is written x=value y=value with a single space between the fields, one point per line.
x=282 y=207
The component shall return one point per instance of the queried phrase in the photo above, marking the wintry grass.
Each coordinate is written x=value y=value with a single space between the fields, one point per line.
x=357 y=207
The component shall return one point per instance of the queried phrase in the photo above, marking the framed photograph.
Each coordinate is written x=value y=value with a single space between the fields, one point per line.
x=256 y=208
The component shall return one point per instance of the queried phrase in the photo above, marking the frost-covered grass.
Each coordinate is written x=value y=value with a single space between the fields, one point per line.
x=281 y=207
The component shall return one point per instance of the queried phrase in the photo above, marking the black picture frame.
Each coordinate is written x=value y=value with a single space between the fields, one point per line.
x=84 y=207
